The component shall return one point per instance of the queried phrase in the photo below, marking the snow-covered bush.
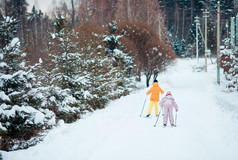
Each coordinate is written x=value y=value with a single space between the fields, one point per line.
x=64 y=104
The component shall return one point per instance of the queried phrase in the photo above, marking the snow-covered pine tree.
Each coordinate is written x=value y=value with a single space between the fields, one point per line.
x=22 y=112
x=124 y=67
x=183 y=47
x=176 y=44
x=66 y=94
x=111 y=41
x=98 y=73
x=8 y=29
x=179 y=46
x=122 y=62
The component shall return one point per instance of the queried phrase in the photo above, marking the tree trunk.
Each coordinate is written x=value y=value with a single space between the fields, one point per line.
x=128 y=10
x=183 y=25
x=139 y=77
x=177 y=17
x=27 y=37
x=148 y=14
x=155 y=76
x=148 y=76
x=35 y=39
x=6 y=13
x=147 y=82
x=192 y=8
x=73 y=13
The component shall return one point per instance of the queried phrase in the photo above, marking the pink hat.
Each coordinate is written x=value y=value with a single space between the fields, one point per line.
x=168 y=93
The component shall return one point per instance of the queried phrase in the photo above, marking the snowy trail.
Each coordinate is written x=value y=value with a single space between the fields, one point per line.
x=204 y=131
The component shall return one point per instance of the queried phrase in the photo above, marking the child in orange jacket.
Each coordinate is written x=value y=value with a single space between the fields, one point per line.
x=154 y=99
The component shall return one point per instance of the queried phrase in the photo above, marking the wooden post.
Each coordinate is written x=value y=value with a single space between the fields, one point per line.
x=197 y=24
x=206 y=54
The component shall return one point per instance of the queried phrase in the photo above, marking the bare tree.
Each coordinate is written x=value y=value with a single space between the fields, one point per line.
x=144 y=11
x=151 y=54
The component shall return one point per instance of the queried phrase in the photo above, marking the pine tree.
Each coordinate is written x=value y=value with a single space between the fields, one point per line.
x=111 y=41
x=183 y=47
x=121 y=60
x=66 y=95
x=17 y=9
x=8 y=30
x=59 y=22
x=98 y=72
x=176 y=45
x=22 y=112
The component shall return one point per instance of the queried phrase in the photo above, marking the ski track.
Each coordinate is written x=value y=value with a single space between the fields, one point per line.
x=204 y=131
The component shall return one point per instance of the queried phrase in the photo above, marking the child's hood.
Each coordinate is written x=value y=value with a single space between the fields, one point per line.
x=156 y=84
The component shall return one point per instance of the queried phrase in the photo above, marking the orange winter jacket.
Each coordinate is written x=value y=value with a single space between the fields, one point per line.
x=155 y=90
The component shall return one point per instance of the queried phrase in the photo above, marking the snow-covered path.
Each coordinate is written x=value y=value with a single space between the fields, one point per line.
x=204 y=131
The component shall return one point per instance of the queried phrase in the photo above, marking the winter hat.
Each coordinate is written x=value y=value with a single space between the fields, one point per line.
x=169 y=93
x=155 y=81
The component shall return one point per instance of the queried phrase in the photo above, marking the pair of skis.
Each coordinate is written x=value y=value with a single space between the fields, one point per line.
x=159 y=115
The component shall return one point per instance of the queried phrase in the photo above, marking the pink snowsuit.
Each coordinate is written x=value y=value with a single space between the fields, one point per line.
x=168 y=103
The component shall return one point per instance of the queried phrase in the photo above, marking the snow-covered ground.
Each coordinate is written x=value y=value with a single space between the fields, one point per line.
x=207 y=125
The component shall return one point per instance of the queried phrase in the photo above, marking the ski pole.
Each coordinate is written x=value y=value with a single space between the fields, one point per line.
x=143 y=106
x=175 y=119
x=157 y=117
x=162 y=110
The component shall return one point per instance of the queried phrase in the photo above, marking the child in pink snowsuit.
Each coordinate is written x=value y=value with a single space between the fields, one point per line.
x=168 y=103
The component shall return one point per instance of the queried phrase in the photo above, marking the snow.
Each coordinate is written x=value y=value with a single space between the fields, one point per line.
x=15 y=41
x=3 y=64
x=206 y=129
x=86 y=94
x=107 y=38
x=2 y=128
x=11 y=76
x=53 y=35
x=1 y=56
x=38 y=117
x=4 y=97
x=40 y=60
